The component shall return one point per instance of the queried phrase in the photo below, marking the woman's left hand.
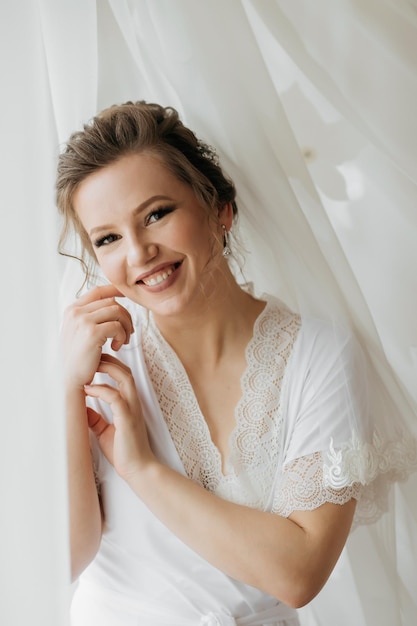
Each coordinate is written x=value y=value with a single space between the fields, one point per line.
x=125 y=443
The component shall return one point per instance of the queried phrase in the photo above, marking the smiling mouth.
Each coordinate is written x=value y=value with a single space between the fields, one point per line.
x=159 y=277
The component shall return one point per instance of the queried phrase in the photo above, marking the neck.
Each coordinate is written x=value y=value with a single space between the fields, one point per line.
x=209 y=330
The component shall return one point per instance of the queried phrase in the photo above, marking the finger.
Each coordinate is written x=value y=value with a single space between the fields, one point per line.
x=103 y=431
x=104 y=310
x=122 y=375
x=114 y=312
x=100 y=333
x=120 y=372
x=108 y=394
x=96 y=422
x=95 y=305
x=123 y=400
x=105 y=319
x=100 y=293
x=109 y=358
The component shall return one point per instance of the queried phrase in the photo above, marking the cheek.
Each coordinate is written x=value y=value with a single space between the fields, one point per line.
x=187 y=236
x=111 y=267
x=199 y=235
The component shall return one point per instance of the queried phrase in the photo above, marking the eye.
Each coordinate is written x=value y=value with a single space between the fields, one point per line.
x=105 y=241
x=157 y=214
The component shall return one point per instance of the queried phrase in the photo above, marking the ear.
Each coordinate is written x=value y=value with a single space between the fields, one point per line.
x=226 y=215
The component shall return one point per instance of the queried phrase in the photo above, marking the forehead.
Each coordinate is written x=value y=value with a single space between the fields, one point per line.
x=127 y=182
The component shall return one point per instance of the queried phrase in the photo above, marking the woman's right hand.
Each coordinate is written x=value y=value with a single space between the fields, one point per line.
x=88 y=323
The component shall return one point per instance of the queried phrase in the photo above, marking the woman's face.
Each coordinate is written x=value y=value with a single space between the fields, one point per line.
x=151 y=237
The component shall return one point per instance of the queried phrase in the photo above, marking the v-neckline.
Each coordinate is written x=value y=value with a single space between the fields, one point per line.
x=223 y=467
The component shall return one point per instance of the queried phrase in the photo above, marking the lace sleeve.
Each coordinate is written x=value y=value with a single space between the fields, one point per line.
x=302 y=487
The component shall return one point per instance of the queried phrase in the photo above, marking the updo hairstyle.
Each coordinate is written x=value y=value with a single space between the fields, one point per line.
x=132 y=128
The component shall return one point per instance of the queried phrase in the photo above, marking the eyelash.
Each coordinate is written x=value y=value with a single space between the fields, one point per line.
x=159 y=213
x=102 y=241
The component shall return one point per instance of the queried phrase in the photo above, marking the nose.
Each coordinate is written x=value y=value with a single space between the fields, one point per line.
x=140 y=251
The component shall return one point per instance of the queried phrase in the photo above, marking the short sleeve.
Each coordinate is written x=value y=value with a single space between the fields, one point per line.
x=325 y=391
x=332 y=450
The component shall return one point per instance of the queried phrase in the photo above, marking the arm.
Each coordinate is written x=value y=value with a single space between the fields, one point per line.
x=290 y=559
x=87 y=324
x=84 y=506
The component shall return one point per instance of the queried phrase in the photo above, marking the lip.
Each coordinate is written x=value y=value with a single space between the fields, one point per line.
x=157 y=270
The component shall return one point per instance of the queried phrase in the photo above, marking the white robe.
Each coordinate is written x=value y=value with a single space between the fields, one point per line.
x=302 y=437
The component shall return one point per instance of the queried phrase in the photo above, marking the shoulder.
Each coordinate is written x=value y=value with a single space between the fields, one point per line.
x=327 y=371
x=320 y=348
x=278 y=318
x=313 y=335
x=325 y=343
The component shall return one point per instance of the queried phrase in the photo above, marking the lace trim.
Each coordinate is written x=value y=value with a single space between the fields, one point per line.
x=359 y=461
x=359 y=470
x=255 y=443
x=376 y=466
x=302 y=487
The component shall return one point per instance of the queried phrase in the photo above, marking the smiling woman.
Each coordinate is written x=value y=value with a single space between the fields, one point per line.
x=151 y=237
x=133 y=129
x=219 y=444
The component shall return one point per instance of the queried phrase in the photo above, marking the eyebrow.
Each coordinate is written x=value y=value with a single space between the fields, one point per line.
x=136 y=211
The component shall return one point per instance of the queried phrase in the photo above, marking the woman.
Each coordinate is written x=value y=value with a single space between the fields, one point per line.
x=215 y=474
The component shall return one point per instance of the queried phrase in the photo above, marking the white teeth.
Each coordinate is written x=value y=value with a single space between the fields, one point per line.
x=158 y=279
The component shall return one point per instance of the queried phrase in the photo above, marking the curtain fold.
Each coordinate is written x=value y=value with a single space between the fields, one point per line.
x=34 y=577
x=362 y=54
x=69 y=34
x=311 y=108
x=367 y=197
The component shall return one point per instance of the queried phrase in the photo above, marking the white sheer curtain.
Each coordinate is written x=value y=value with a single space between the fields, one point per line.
x=311 y=107
x=33 y=518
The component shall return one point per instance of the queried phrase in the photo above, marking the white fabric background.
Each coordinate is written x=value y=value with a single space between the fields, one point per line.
x=312 y=109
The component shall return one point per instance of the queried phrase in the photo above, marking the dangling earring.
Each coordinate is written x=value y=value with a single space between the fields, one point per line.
x=226 y=248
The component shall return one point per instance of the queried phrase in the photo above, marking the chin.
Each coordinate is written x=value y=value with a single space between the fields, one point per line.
x=180 y=305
